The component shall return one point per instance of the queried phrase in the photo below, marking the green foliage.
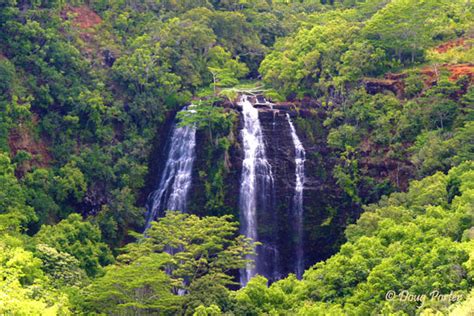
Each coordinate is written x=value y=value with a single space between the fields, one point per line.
x=7 y=76
x=40 y=195
x=309 y=60
x=347 y=174
x=225 y=71
x=140 y=287
x=14 y=212
x=114 y=219
x=413 y=84
x=80 y=239
x=61 y=267
x=212 y=310
x=70 y=183
x=200 y=245
x=342 y=137
x=25 y=289
x=211 y=118
x=432 y=152
x=143 y=70
x=405 y=28
x=86 y=104
x=341 y=46
x=409 y=241
x=181 y=253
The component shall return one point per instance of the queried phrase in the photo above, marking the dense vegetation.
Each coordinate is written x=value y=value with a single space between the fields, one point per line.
x=85 y=88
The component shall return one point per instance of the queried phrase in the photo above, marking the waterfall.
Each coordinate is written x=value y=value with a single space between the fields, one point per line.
x=256 y=181
x=300 y=157
x=175 y=182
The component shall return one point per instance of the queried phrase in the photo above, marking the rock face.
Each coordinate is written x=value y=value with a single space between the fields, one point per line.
x=395 y=82
x=322 y=224
x=275 y=229
x=326 y=208
x=157 y=158
x=374 y=86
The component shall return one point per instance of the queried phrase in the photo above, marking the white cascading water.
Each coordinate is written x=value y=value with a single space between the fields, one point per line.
x=300 y=157
x=176 y=178
x=256 y=176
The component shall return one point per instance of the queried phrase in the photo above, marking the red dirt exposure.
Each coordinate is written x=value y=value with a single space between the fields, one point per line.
x=21 y=138
x=461 y=70
x=395 y=81
x=456 y=72
x=83 y=16
x=443 y=48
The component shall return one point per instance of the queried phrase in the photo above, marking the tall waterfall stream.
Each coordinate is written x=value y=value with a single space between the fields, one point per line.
x=300 y=157
x=173 y=189
x=256 y=193
x=257 y=178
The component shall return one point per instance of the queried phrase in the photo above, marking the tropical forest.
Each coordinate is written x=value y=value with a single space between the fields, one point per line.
x=237 y=157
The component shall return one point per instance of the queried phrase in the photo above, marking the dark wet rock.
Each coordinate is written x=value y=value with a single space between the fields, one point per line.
x=326 y=208
x=109 y=57
x=374 y=86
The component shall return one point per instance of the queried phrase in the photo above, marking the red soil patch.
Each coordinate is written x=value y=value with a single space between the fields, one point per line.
x=21 y=138
x=395 y=82
x=83 y=16
x=456 y=72
x=443 y=48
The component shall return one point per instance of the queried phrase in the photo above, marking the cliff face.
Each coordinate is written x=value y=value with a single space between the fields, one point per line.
x=323 y=224
x=275 y=228
x=217 y=176
x=395 y=82
x=158 y=155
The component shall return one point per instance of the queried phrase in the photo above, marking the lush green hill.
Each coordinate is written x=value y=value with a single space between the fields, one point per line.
x=385 y=93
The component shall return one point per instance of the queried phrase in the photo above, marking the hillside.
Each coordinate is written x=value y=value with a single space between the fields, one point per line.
x=236 y=157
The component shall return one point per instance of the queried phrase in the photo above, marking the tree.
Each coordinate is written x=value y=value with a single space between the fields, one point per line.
x=406 y=28
x=7 y=77
x=70 y=183
x=309 y=61
x=115 y=218
x=145 y=69
x=80 y=239
x=40 y=188
x=14 y=213
x=199 y=245
x=342 y=137
x=61 y=267
x=225 y=70
x=202 y=252
x=206 y=116
x=139 y=288
x=25 y=288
